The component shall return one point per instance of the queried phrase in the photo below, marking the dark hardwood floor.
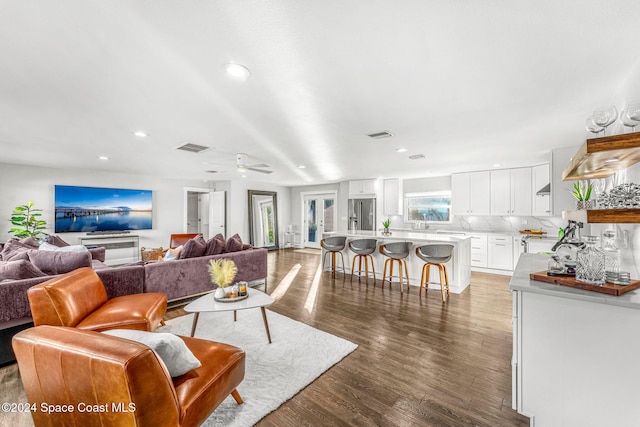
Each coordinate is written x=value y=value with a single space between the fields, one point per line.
x=419 y=362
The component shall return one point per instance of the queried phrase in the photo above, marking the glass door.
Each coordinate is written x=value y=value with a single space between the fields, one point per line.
x=320 y=216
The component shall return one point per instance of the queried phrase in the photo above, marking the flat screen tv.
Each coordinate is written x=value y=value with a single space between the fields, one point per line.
x=85 y=209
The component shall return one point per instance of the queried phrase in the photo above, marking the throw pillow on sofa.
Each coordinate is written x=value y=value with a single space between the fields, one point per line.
x=193 y=248
x=173 y=253
x=69 y=248
x=16 y=249
x=234 y=244
x=215 y=245
x=54 y=262
x=56 y=241
x=17 y=270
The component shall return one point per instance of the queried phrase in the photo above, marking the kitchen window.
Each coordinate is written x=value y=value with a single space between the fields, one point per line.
x=429 y=207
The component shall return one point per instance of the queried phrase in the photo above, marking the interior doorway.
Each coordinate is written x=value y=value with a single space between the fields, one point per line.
x=320 y=216
x=204 y=212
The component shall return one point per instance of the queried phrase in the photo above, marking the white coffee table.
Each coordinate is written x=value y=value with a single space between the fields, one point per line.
x=208 y=303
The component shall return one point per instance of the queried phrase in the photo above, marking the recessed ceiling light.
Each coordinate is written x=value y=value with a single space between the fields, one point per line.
x=237 y=71
x=401 y=150
x=103 y=157
x=497 y=165
x=612 y=160
x=141 y=134
x=244 y=176
x=301 y=166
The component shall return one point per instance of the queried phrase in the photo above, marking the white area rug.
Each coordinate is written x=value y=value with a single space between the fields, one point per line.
x=274 y=372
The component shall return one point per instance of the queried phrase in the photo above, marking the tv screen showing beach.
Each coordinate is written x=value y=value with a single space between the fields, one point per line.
x=82 y=209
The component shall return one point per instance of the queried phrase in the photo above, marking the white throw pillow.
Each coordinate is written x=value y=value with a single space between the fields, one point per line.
x=170 y=349
x=44 y=246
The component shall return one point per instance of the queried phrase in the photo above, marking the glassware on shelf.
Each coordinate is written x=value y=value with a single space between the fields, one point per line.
x=633 y=112
x=555 y=265
x=622 y=196
x=598 y=191
x=605 y=116
x=628 y=121
x=590 y=267
x=592 y=127
x=611 y=252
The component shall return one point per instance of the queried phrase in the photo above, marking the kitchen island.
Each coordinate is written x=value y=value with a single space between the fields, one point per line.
x=459 y=267
x=575 y=352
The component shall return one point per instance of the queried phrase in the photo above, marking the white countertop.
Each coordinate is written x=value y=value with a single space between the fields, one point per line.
x=402 y=235
x=531 y=263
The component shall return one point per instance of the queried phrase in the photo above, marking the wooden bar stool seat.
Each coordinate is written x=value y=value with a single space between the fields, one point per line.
x=438 y=256
x=396 y=252
x=333 y=246
x=363 y=248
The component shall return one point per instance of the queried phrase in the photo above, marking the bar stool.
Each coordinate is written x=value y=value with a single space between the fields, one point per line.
x=363 y=248
x=437 y=255
x=333 y=245
x=398 y=251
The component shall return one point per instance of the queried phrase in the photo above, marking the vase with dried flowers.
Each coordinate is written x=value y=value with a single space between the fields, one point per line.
x=222 y=272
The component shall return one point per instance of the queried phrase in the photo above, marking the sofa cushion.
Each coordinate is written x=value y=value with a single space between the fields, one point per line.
x=234 y=244
x=20 y=269
x=215 y=245
x=172 y=350
x=30 y=241
x=53 y=262
x=56 y=241
x=15 y=249
x=193 y=248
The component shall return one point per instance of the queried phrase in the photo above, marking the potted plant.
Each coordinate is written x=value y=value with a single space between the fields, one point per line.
x=312 y=231
x=27 y=221
x=582 y=195
x=222 y=272
x=386 y=223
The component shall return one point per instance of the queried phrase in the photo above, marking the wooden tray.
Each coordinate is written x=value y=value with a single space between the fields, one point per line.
x=607 y=288
x=533 y=232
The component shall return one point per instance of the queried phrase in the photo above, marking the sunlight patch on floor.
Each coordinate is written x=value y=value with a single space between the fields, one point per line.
x=310 y=303
x=284 y=284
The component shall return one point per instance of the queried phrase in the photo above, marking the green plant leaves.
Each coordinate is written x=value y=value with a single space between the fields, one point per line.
x=27 y=221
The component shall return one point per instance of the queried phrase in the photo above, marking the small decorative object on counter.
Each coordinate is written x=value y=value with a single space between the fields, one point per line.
x=242 y=289
x=555 y=266
x=386 y=223
x=219 y=293
x=590 y=267
x=611 y=252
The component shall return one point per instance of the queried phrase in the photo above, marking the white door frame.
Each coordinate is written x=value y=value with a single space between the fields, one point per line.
x=303 y=225
x=185 y=218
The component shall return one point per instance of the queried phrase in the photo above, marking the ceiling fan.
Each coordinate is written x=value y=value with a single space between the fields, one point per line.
x=242 y=166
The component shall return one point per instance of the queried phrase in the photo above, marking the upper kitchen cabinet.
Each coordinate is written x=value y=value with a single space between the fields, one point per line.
x=511 y=192
x=362 y=188
x=391 y=194
x=541 y=179
x=470 y=193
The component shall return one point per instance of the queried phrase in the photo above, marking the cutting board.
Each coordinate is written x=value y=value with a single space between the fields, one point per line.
x=607 y=288
x=533 y=232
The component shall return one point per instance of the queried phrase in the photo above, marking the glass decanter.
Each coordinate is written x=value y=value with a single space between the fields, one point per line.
x=590 y=268
x=611 y=252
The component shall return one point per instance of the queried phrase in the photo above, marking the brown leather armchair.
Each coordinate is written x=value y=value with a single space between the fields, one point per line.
x=112 y=381
x=180 y=239
x=78 y=299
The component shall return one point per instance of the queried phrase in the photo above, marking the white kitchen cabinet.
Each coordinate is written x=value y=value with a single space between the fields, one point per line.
x=500 y=252
x=362 y=188
x=391 y=193
x=470 y=193
x=478 y=250
x=511 y=192
x=540 y=178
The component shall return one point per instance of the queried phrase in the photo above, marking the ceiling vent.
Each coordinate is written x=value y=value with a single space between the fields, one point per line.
x=212 y=171
x=380 y=135
x=192 y=148
x=416 y=156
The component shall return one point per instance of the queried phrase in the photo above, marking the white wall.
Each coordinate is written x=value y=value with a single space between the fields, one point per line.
x=19 y=184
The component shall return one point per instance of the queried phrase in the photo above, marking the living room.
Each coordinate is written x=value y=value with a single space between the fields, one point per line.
x=100 y=96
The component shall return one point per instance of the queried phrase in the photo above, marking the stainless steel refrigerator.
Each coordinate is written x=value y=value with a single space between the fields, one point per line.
x=362 y=214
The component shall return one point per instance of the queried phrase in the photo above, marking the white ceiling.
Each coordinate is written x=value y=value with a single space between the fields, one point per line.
x=467 y=83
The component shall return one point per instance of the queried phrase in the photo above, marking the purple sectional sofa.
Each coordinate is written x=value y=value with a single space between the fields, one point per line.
x=179 y=279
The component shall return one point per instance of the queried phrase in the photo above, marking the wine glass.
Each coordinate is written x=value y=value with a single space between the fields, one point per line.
x=604 y=116
x=633 y=112
x=628 y=121
x=592 y=127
